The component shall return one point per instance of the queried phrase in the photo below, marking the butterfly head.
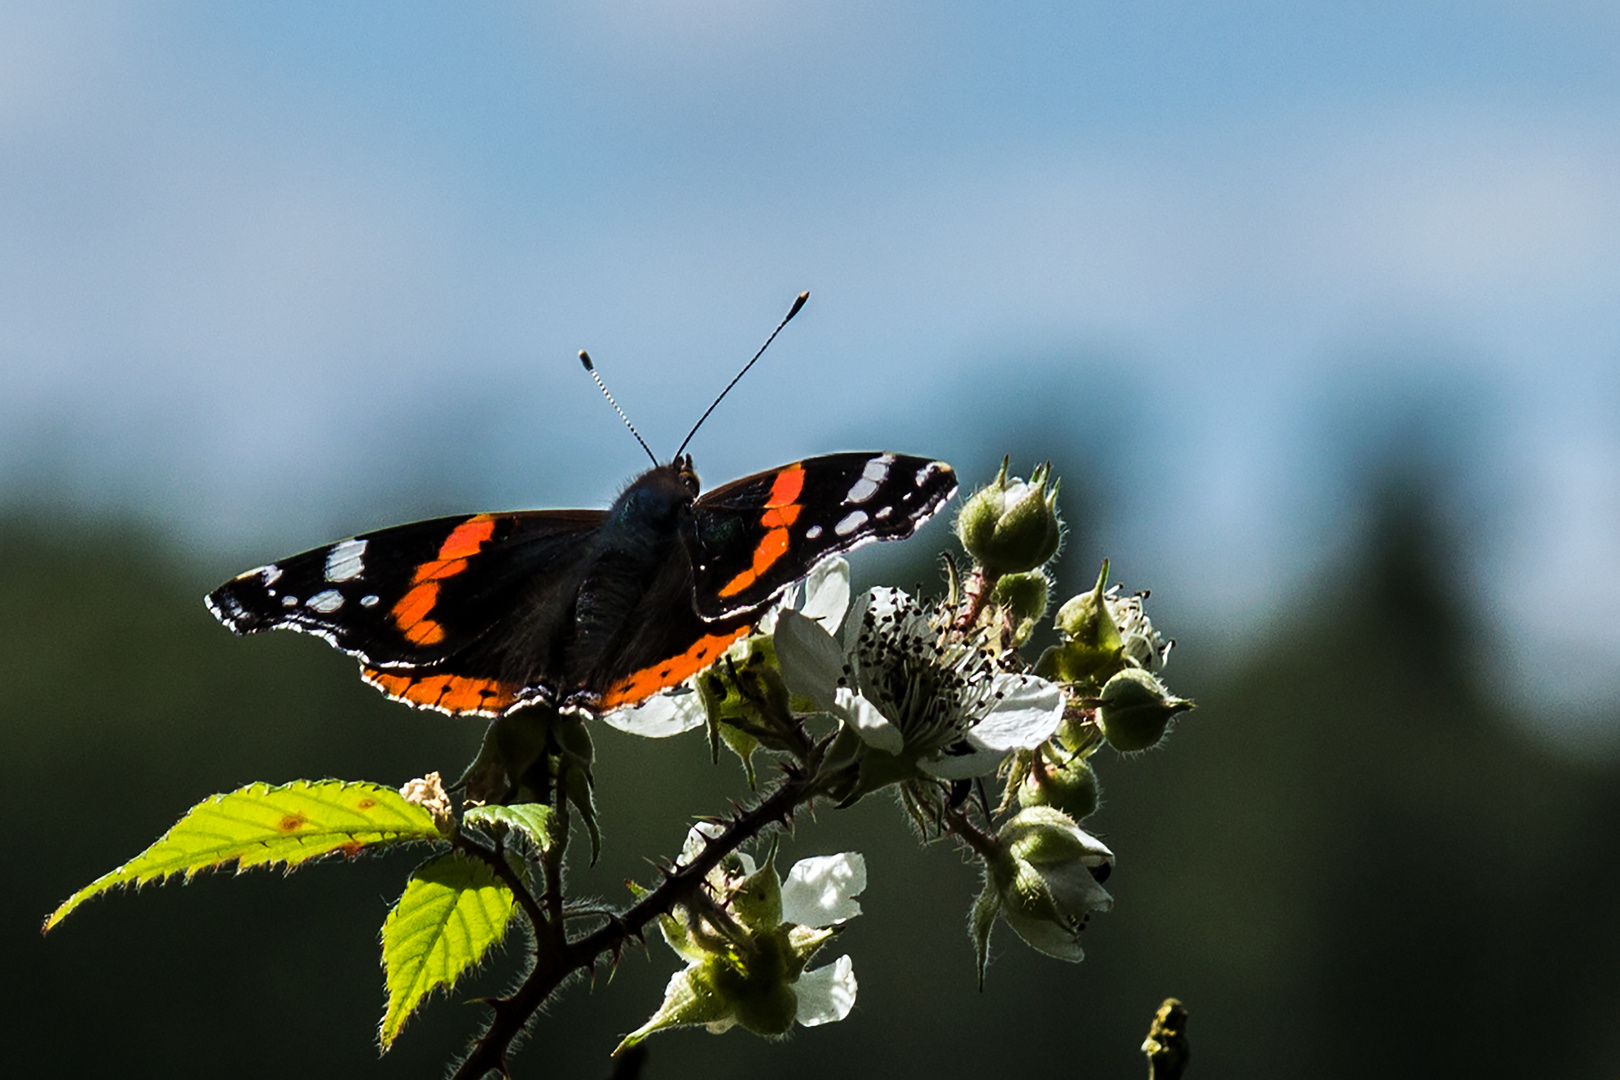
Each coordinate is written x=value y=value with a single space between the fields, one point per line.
x=659 y=496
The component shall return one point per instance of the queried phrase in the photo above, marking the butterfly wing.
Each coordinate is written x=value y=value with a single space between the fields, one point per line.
x=754 y=537
x=458 y=614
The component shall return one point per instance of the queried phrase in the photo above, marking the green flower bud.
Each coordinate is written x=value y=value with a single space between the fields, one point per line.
x=1023 y=597
x=1091 y=647
x=1135 y=709
x=1071 y=788
x=1012 y=526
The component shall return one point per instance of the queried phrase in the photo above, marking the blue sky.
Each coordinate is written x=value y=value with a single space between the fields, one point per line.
x=271 y=273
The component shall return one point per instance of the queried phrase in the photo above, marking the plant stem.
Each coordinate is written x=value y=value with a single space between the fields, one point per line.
x=553 y=965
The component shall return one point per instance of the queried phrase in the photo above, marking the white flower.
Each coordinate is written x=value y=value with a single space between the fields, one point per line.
x=1045 y=880
x=680 y=708
x=747 y=955
x=910 y=689
x=1139 y=642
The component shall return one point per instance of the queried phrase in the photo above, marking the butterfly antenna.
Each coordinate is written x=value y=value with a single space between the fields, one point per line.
x=585 y=358
x=792 y=311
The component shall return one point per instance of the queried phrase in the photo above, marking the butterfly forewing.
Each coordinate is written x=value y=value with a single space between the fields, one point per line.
x=381 y=596
x=755 y=536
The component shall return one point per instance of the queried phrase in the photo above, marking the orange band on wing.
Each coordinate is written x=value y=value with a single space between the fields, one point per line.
x=410 y=615
x=462 y=543
x=447 y=693
x=780 y=512
x=785 y=489
x=465 y=539
x=780 y=516
x=643 y=684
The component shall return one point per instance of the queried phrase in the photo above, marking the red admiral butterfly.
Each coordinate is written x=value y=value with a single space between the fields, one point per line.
x=588 y=609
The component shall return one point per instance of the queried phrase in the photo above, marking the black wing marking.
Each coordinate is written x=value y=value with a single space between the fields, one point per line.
x=755 y=536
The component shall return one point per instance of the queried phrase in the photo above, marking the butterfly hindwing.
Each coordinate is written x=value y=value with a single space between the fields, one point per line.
x=753 y=537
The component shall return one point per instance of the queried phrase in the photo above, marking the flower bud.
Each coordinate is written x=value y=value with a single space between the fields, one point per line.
x=1091 y=646
x=1023 y=597
x=1135 y=709
x=1011 y=526
x=1071 y=788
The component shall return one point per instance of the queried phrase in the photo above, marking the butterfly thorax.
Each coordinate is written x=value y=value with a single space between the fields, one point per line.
x=640 y=566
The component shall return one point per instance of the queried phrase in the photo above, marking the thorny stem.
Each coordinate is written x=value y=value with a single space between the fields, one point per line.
x=551 y=863
x=552 y=966
x=980 y=585
x=962 y=827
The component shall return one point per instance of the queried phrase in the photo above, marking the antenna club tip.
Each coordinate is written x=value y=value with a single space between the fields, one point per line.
x=798 y=303
x=585 y=358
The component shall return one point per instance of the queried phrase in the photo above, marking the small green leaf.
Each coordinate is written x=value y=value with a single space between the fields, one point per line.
x=533 y=820
x=454 y=908
x=262 y=825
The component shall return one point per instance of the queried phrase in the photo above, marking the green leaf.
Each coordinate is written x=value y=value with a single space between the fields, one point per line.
x=533 y=820
x=261 y=825
x=454 y=908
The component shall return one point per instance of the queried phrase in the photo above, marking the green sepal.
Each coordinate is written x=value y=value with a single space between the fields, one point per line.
x=577 y=787
x=532 y=820
x=453 y=910
x=261 y=825
x=982 y=919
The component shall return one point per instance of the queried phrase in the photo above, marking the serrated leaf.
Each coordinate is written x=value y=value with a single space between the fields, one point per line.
x=533 y=820
x=453 y=910
x=263 y=825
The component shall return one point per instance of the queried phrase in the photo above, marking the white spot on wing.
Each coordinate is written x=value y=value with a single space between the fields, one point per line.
x=345 y=561
x=876 y=471
x=812 y=532
x=883 y=512
x=327 y=601
x=289 y=601
x=368 y=601
x=852 y=521
x=268 y=574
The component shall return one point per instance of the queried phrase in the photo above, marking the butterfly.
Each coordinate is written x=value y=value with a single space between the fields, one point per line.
x=584 y=609
x=590 y=610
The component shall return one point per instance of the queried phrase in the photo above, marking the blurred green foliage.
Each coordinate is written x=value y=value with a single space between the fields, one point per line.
x=1348 y=862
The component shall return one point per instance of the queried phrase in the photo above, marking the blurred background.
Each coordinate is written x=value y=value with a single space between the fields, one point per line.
x=1312 y=306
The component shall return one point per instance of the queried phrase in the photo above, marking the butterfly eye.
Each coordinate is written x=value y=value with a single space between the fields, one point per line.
x=689 y=476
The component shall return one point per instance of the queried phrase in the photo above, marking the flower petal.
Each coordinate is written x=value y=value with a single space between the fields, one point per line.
x=875 y=729
x=697 y=838
x=681 y=709
x=826 y=593
x=827 y=993
x=810 y=658
x=820 y=891
x=1045 y=936
x=1027 y=712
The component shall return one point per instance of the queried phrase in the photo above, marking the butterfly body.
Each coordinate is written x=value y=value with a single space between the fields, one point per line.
x=586 y=609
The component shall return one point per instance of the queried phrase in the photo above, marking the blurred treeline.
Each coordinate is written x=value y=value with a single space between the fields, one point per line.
x=1349 y=862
